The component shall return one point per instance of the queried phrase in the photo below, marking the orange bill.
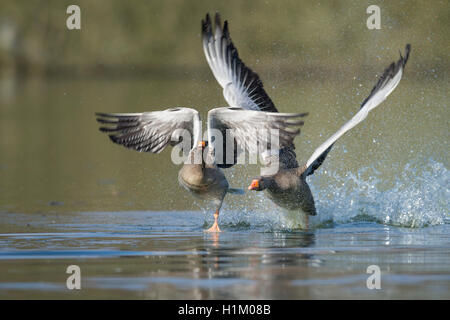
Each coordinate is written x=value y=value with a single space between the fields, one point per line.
x=254 y=185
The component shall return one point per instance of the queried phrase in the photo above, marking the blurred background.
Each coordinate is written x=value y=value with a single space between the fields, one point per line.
x=160 y=38
x=133 y=56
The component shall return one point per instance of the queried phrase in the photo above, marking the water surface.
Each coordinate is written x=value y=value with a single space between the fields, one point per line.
x=69 y=196
x=166 y=255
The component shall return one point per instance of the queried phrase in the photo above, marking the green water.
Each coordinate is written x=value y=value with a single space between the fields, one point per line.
x=69 y=196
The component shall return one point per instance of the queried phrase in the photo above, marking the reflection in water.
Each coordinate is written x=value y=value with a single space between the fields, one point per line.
x=157 y=255
x=243 y=262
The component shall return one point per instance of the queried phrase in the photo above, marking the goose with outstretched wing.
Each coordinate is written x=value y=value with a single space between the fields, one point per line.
x=154 y=131
x=288 y=187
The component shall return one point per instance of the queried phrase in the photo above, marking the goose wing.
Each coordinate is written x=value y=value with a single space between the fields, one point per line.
x=242 y=87
x=384 y=87
x=254 y=131
x=151 y=131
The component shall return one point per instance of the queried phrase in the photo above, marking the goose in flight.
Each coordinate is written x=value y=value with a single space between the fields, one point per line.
x=288 y=187
x=200 y=175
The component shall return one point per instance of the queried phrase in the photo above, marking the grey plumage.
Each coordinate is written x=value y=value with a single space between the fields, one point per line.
x=253 y=129
x=148 y=131
x=242 y=87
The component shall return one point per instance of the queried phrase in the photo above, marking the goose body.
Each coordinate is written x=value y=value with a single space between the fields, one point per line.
x=291 y=191
x=205 y=181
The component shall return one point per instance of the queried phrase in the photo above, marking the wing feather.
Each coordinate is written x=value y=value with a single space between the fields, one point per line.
x=386 y=84
x=149 y=131
x=254 y=131
x=242 y=88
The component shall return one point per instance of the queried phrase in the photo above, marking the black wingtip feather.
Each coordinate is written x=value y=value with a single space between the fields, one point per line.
x=390 y=72
x=407 y=51
x=226 y=32
x=217 y=20
x=106 y=129
x=105 y=115
x=205 y=23
x=106 y=120
x=206 y=27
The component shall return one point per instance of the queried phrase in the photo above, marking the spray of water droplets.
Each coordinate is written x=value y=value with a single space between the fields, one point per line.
x=418 y=198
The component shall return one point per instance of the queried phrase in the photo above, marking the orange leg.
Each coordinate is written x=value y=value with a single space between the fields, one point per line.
x=215 y=226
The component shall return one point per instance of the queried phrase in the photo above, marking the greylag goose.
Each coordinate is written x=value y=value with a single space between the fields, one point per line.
x=288 y=187
x=153 y=131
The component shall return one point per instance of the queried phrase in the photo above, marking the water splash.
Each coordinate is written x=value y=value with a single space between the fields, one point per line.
x=418 y=198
